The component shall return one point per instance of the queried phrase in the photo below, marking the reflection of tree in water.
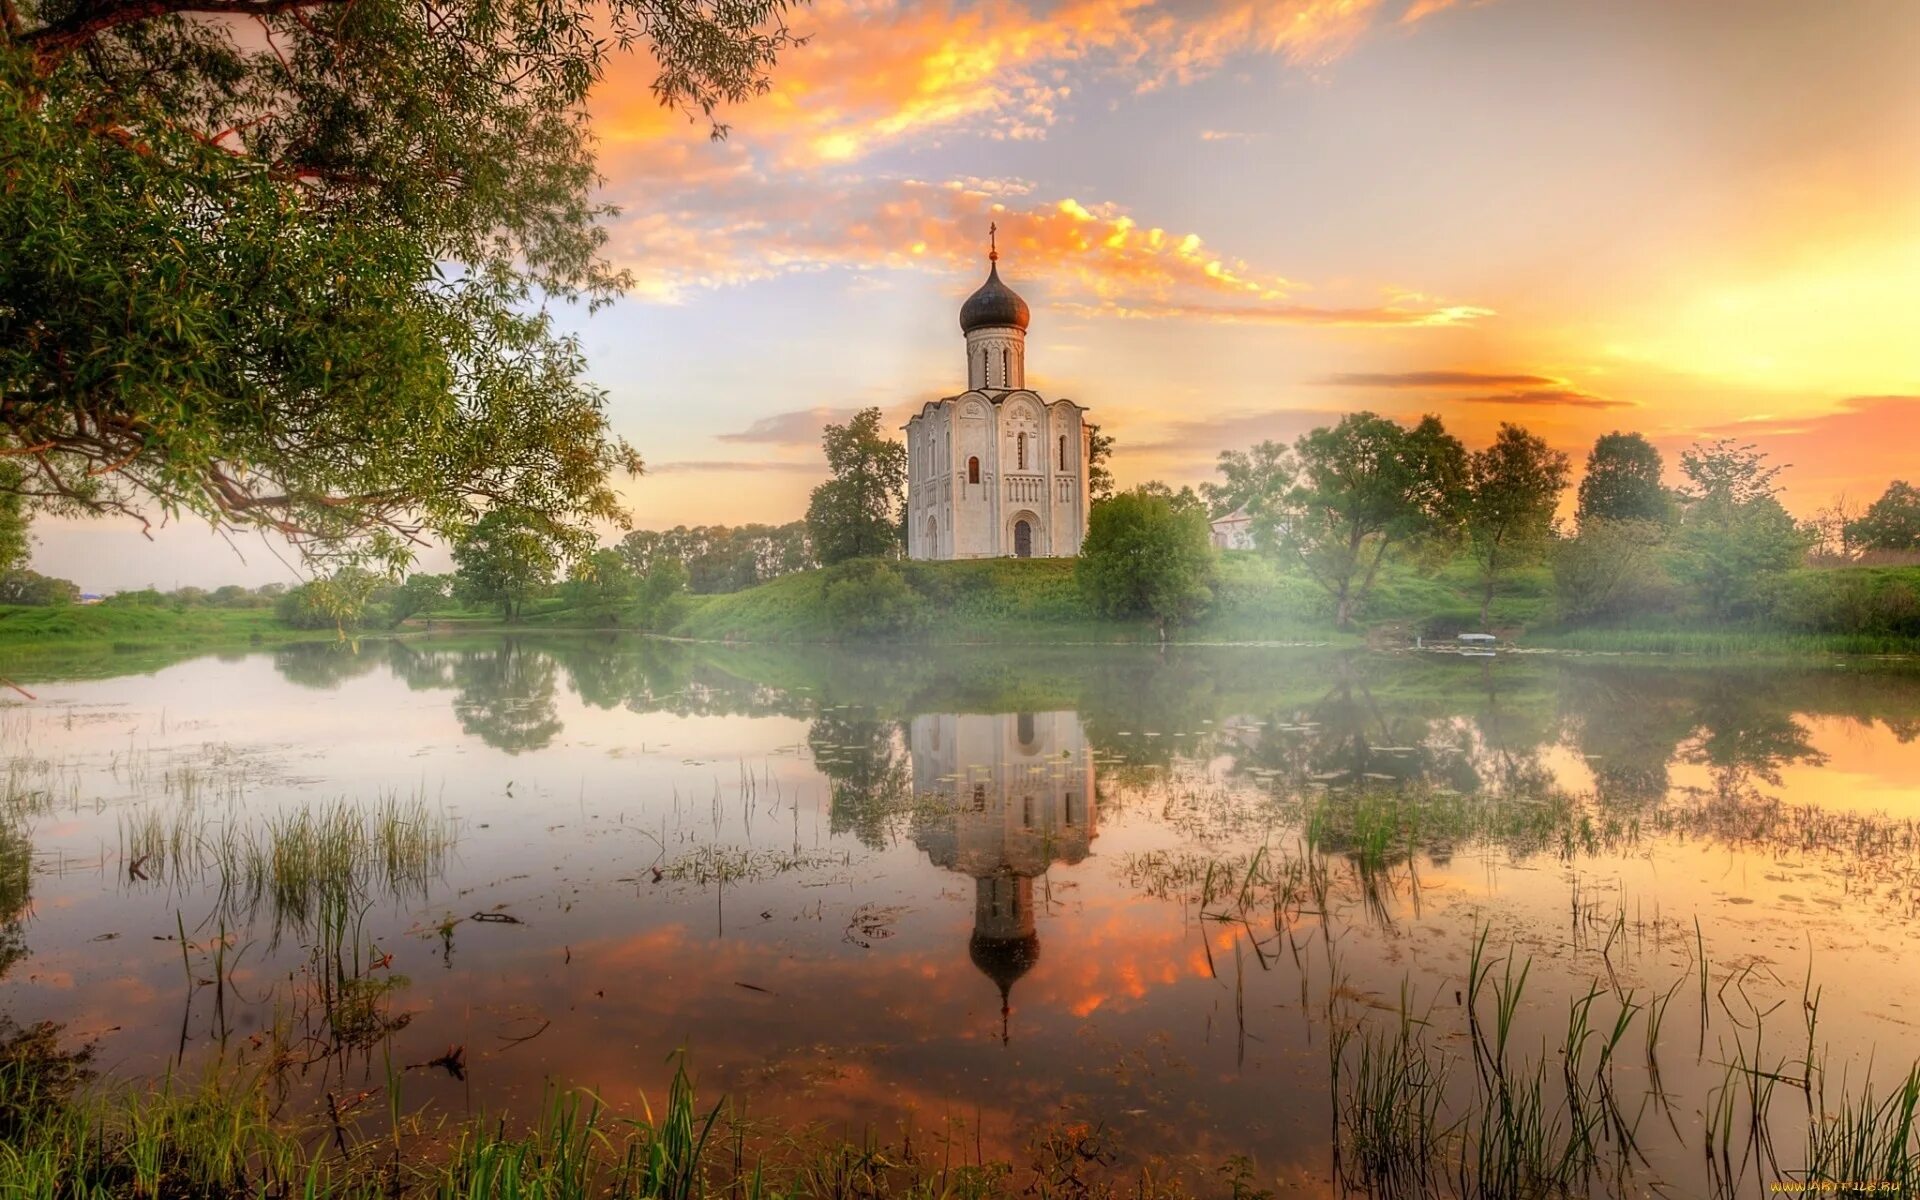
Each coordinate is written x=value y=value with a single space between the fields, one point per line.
x=1747 y=734
x=1629 y=726
x=16 y=890
x=866 y=769
x=423 y=666
x=1347 y=735
x=505 y=696
x=327 y=665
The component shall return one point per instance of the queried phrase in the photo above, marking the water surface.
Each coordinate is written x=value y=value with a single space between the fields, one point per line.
x=981 y=892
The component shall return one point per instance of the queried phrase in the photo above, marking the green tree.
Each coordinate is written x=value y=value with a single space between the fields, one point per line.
x=1513 y=487
x=1622 y=482
x=339 y=601
x=1735 y=538
x=284 y=264
x=21 y=586
x=1147 y=556
x=601 y=583
x=1611 y=569
x=856 y=514
x=15 y=543
x=662 y=593
x=505 y=559
x=1890 y=523
x=1256 y=480
x=1366 y=487
x=421 y=592
x=1099 y=474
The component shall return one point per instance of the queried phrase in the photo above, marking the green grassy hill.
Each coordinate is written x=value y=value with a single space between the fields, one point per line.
x=1013 y=600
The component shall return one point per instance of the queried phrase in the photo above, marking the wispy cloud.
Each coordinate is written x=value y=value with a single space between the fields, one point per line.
x=1097 y=258
x=1437 y=379
x=1550 y=398
x=797 y=428
x=691 y=466
x=1205 y=437
x=786 y=193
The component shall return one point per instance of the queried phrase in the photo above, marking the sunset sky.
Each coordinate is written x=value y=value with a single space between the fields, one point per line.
x=1237 y=219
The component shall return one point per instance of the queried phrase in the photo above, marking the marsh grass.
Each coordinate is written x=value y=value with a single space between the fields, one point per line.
x=222 y=1139
x=724 y=865
x=297 y=865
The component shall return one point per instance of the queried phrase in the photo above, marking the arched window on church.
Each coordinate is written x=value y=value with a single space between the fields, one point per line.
x=973 y=470
x=1006 y=367
x=1020 y=450
x=1063 y=452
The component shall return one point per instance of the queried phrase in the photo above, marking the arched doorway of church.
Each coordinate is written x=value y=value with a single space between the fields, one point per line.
x=1022 y=539
x=933 y=536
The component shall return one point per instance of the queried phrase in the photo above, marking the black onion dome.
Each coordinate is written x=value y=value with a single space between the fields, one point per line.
x=994 y=304
x=1004 y=960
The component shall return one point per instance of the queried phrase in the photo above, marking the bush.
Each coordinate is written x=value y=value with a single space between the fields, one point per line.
x=1612 y=569
x=870 y=598
x=1850 y=600
x=1146 y=556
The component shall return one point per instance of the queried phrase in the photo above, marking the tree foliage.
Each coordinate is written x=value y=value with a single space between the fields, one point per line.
x=1256 y=480
x=1367 y=487
x=1623 y=481
x=1890 y=523
x=1735 y=538
x=1147 y=555
x=1513 y=487
x=856 y=514
x=504 y=560
x=1611 y=569
x=723 y=558
x=1099 y=474
x=283 y=263
x=21 y=586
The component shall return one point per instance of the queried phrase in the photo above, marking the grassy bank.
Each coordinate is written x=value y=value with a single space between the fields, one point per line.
x=1016 y=600
x=86 y=639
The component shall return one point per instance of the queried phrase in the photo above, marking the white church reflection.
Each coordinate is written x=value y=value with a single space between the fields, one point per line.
x=1011 y=794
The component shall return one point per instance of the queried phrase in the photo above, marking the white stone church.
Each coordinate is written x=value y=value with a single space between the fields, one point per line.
x=997 y=470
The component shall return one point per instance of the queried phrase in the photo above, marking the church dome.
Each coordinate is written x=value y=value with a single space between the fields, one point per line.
x=993 y=304
x=1004 y=959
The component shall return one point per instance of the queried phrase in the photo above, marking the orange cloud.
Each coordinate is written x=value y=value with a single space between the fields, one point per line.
x=879 y=72
x=1096 y=259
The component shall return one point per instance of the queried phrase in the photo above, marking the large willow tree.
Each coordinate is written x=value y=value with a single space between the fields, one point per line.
x=284 y=263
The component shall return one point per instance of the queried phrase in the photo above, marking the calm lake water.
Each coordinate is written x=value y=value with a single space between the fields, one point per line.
x=980 y=893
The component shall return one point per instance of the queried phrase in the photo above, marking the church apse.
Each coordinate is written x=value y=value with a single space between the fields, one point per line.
x=1005 y=796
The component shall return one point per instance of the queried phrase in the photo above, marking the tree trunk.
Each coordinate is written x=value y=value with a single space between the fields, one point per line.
x=1486 y=602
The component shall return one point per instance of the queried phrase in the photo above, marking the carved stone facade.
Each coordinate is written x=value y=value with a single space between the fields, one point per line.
x=998 y=470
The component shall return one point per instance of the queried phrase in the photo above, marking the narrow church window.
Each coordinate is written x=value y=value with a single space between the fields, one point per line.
x=1023 y=729
x=1006 y=368
x=979 y=797
x=1026 y=811
x=1020 y=442
x=973 y=470
x=1063 y=452
x=1066 y=803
